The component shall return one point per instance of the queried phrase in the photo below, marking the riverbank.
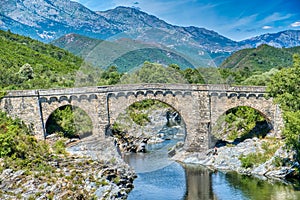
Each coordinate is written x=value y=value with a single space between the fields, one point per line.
x=90 y=169
x=266 y=158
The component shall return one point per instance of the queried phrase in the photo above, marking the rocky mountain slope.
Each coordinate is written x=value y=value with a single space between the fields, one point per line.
x=286 y=39
x=47 y=20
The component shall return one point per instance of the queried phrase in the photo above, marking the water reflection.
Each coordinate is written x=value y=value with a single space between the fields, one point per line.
x=161 y=179
x=199 y=183
x=255 y=188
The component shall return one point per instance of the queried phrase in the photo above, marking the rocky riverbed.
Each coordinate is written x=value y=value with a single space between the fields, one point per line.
x=271 y=159
x=91 y=170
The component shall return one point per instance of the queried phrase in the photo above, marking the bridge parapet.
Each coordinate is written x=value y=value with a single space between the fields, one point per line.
x=199 y=105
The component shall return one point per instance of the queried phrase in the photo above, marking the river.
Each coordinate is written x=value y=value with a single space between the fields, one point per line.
x=159 y=178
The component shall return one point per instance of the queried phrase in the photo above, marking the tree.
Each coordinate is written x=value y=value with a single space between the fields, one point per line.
x=26 y=72
x=285 y=88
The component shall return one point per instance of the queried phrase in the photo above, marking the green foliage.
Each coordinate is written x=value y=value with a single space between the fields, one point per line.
x=26 y=63
x=70 y=121
x=111 y=76
x=255 y=159
x=260 y=79
x=157 y=73
x=10 y=130
x=138 y=111
x=247 y=65
x=59 y=147
x=18 y=148
x=211 y=75
x=284 y=88
x=239 y=123
x=292 y=130
x=2 y=93
x=193 y=76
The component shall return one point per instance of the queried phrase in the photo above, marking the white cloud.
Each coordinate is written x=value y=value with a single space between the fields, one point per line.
x=295 y=24
x=267 y=27
x=276 y=17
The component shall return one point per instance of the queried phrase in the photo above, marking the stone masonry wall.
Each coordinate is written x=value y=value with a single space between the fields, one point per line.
x=199 y=105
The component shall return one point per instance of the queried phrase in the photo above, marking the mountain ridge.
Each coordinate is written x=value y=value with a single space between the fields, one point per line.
x=47 y=20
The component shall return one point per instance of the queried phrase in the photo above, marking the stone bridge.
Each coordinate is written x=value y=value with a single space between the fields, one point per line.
x=199 y=106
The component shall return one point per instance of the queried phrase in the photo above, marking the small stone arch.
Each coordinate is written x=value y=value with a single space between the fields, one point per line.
x=81 y=132
x=267 y=122
x=63 y=98
x=48 y=109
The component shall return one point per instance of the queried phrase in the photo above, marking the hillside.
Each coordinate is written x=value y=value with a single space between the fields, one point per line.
x=27 y=63
x=125 y=54
x=263 y=58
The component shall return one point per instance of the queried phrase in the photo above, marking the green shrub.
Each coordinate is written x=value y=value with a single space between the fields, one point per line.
x=59 y=147
x=252 y=159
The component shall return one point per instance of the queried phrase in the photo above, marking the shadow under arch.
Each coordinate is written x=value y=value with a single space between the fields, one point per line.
x=239 y=123
x=69 y=121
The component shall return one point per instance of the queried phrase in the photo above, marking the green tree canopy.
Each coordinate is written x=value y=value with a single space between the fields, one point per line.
x=285 y=88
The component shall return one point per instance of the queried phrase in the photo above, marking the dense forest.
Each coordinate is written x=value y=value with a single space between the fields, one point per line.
x=26 y=64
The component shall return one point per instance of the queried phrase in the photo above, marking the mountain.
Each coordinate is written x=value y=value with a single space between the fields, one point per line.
x=283 y=39
x=125 y=54
x=263 y=58
x=48 y=20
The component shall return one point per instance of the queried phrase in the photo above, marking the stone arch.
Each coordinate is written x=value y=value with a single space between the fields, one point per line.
x=80 y=134
x=87 y=106
x=262 y=125
x=269 y=110
x=185 y=105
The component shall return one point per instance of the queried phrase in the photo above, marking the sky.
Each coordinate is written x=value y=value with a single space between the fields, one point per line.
x=235 y=19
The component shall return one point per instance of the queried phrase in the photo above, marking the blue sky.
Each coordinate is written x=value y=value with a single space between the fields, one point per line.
x=235 y=19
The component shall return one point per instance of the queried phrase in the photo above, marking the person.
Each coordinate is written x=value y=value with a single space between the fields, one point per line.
x=215 y=151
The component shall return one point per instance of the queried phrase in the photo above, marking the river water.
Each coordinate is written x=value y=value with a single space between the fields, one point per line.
x=159 y=178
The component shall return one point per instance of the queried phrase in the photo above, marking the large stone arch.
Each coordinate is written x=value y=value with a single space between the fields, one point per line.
x=220 y=104
x=90 y=107
x=184 y=103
